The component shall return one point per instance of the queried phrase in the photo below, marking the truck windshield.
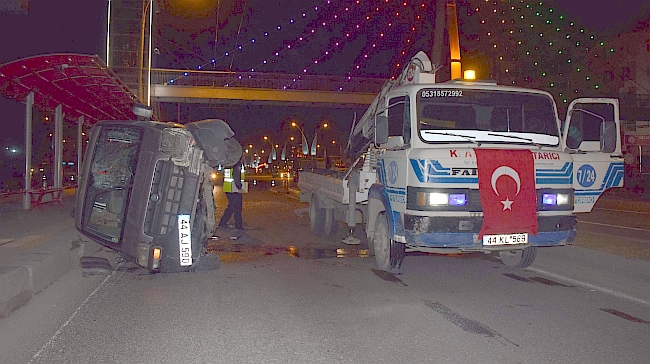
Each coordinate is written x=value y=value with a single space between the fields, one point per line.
x=486 y=116
x=109 y=184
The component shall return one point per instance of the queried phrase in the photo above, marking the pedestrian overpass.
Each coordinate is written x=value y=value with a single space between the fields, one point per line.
x=216 y=87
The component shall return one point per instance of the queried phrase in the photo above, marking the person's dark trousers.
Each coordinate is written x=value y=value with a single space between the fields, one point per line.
x=234 y=207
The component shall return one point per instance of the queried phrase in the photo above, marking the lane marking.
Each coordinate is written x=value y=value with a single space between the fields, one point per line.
x=27 y=241
x=610 y=225
x=617 y=210
x=67 y=322
x=594 y=287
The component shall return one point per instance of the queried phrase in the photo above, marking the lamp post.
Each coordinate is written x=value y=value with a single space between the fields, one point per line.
x=305 y=146
x=147 y=9
x=272 y=155
x=250 y=156
x=340 y=147
x=314 y=144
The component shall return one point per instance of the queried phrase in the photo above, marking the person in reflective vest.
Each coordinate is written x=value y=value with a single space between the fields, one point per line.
x=233 y=179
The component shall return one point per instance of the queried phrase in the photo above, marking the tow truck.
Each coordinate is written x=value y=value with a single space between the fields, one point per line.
x=415 y=180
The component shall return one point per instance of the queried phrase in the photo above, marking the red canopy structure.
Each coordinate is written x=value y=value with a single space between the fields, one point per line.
x=82 y=84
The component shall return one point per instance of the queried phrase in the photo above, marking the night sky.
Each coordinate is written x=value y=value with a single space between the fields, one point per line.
x=187 y=39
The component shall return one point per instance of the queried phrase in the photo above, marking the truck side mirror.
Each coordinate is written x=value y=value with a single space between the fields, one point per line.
x=607 y=137
x=381 y=129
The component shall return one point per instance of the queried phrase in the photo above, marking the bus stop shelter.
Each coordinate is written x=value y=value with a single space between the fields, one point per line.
x=76 y=88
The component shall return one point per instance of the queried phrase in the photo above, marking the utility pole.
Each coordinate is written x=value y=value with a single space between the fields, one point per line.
x=438 y=34
x=446 y=13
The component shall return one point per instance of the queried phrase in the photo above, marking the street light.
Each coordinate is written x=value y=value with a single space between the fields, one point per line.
x=314 y=145
x=273 y=154
x=305 y=147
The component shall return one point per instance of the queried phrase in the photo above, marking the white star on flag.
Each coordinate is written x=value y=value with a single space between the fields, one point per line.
x=507 y=204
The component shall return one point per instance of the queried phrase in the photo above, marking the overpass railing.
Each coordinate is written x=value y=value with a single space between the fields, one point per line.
x=275 y=81
x=280 y=81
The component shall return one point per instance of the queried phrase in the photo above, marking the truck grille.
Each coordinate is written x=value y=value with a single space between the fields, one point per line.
x=164 y=198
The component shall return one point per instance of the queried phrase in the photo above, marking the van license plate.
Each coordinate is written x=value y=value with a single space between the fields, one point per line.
x=505 y=239
x=185 y=240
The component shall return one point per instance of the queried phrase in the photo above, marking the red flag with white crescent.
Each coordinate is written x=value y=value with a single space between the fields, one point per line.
x=506 y=182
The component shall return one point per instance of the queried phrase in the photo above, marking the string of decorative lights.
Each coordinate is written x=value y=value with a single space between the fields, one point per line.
x=240 y=47
x=574 y=45
x=334 y=44
x=311 y=32
x=375 y=13
x=506 y=30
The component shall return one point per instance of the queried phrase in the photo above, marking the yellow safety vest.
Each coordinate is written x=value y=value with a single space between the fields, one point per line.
x=228 y=180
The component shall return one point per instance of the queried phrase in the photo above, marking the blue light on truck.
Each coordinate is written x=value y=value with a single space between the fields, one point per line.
x=457 y=199
x=555 y=199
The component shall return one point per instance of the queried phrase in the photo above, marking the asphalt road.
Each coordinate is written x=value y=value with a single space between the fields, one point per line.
x=279 y=294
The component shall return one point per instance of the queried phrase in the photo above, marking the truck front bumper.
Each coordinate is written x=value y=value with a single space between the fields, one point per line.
x=462 y=233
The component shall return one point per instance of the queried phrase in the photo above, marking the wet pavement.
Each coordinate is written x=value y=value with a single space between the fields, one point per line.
x=38 y=246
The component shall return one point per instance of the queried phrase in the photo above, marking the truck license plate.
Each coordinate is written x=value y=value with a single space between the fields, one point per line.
x=184 y=240
x=505 y=239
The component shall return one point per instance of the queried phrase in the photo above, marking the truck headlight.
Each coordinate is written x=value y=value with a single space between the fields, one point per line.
x=554 y=199
x=441 y=199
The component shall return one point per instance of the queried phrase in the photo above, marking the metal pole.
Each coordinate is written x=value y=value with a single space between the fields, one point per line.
x=80 y=126
x=28 y=149
x=438 y=34
x=58 y=147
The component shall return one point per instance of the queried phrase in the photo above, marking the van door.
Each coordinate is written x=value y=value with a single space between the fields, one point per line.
x=592 y=134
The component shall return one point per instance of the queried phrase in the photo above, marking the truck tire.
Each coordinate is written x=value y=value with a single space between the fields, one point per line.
x=522 y=258
x=316 y=217
x=389 y=254
x=331 y=225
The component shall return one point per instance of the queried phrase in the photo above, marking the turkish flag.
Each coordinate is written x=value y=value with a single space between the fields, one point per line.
x=506 y=182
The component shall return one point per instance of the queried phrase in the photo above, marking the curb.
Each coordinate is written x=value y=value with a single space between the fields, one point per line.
x=33 y=271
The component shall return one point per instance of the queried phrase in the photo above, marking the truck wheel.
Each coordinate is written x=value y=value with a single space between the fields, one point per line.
x=331 y=226
x=388 y=253
x=316 y=217
x=522 y=258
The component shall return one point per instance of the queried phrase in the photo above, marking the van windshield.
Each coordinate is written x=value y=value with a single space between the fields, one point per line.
x=109 y=184
x=454 y=115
